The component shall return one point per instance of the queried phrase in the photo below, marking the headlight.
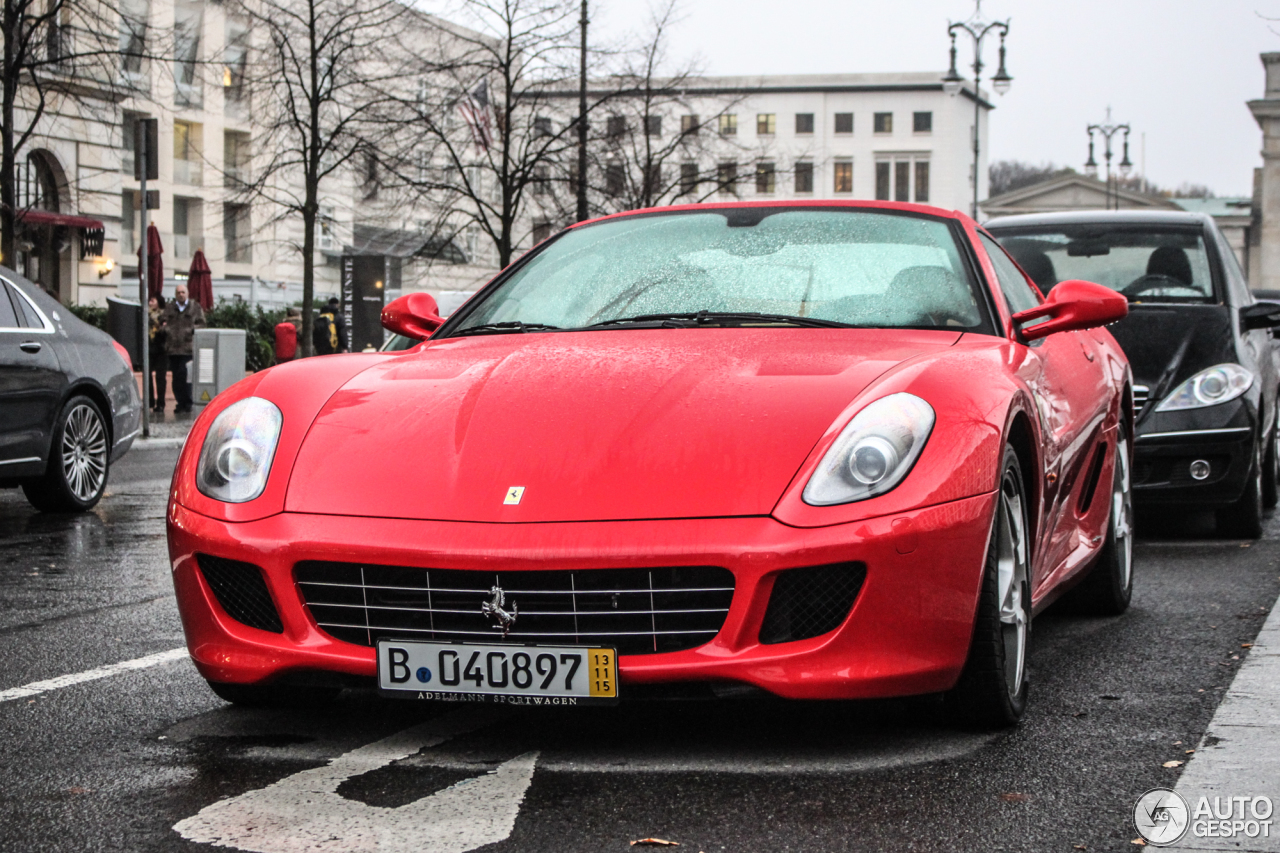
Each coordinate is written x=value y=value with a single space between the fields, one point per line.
x=1210 y=387
x=237 y=452
x=873 y=453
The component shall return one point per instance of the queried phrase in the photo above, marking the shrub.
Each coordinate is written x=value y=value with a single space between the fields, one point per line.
x=91 y=314
x=259 y=327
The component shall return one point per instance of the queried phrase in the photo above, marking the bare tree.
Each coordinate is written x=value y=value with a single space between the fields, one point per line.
x=317 y=89
x=1009 y=175
x=59 y=55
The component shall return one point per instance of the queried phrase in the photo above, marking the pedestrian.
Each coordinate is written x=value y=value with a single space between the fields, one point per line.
x=329 y=335
x=287 y=334
x=155 y=347
x=181 y=318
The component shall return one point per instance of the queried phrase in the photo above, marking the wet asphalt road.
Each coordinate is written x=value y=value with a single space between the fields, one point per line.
x=114 y=764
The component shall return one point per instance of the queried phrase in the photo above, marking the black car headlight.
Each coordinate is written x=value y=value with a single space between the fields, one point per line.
x=236 y=457
x=873 y=453
x=1209 y=387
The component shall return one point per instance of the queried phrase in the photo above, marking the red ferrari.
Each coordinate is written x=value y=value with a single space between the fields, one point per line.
x=833 y=450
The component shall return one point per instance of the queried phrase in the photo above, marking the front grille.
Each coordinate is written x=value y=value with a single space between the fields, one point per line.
x=637 y=611
x=242 y=592
x=1140 y=395
x=810 y=602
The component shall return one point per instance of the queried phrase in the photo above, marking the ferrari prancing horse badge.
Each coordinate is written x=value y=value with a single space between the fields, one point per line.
x=514 y=494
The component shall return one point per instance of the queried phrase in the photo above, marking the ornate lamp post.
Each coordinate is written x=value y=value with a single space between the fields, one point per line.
x=978 y=28
x=1108 y=130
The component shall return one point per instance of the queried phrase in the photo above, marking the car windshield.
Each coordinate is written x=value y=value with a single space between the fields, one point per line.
x=1146 y=263
x=820 y=267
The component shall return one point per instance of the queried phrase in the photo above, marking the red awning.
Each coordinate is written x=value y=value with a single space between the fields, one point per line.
x=48 y=217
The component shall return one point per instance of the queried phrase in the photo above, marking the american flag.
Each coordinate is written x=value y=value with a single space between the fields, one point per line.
x=475 y=111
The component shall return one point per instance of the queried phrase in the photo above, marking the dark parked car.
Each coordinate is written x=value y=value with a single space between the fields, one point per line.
x=1201 y=346
x=68 y=401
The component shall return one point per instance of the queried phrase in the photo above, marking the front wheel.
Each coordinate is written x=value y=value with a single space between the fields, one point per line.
x=992 y=690
x=1271 y=469
x=1109 y=586
x=76 y=474
x=1243 y=519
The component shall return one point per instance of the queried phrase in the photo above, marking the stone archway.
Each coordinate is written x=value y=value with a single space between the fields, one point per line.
x=44 y=249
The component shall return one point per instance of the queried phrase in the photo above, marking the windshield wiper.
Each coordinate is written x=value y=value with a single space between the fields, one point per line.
x=717 y=318
x=502 y=328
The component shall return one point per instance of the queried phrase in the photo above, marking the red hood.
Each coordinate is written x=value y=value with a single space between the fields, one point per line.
x=624 y=424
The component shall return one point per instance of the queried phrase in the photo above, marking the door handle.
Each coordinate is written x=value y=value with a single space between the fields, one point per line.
x=29 y=346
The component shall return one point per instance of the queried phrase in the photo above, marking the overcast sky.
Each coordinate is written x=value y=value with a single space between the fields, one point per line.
x=1178 y=71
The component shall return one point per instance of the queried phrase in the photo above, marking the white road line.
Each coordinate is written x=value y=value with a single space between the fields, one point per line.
x=37 y=687
x=305 y=812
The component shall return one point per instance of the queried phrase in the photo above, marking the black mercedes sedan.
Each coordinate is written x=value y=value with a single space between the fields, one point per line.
x=69 y=403
x=1201 y=346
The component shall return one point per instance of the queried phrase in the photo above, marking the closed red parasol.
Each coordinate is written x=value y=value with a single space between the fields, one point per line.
x=200 y=281
x=155 y=262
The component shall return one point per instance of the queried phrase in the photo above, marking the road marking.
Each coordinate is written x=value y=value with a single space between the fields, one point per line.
x=38 y=687
x=305 y=812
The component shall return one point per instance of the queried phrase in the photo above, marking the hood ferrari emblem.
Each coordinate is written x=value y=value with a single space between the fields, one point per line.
x=514 y=494
x=494 y=608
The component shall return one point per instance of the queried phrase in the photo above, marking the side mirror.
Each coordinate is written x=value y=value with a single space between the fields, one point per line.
x=1073 y=305
x=1263 y=315
x=415 y=315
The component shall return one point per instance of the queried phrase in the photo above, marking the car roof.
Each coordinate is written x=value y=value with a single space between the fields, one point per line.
x=799 y=204
x=1100 y=217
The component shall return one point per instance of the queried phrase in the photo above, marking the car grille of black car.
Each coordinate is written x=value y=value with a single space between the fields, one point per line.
x=637 y=611
x=242 y=592
x=1140 y=395
x=810 y=602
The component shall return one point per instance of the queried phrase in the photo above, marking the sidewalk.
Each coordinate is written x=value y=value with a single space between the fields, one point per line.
x=167 y=429
x=1240 y=753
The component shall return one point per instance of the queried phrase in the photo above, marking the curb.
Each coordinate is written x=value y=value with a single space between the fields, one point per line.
x=157 y=443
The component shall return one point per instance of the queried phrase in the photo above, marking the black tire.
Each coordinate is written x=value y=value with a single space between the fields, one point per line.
x=274 y=695
x=79 y=460
x=992 y=690
x=1109 y=586
x=1243 y=519
x=1271 y=469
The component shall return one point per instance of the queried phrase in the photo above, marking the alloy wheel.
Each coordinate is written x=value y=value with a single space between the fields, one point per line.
x=84 y=452
x=1011 y=544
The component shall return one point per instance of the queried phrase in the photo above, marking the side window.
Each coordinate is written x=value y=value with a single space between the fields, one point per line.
x=1017 y=292
x=27 y=315
x=8 y=317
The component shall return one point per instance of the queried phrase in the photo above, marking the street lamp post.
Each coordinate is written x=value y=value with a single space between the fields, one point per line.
x=978 y=29
x=1108 y=130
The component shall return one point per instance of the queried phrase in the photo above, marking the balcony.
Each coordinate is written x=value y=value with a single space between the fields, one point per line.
x=188 y=172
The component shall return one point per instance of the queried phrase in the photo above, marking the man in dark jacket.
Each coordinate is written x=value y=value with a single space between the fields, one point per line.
x=180 y=320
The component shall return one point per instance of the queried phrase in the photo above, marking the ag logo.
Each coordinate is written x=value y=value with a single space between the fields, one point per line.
x=1161 y=816
x=514 y=494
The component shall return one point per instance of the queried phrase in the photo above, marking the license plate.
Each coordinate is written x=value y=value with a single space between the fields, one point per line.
x=510 y=674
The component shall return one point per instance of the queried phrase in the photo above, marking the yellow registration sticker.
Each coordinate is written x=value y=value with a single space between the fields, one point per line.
x=603 y=673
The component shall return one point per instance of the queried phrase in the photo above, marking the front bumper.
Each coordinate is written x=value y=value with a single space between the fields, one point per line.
x=907 y=633
x=1168 y=443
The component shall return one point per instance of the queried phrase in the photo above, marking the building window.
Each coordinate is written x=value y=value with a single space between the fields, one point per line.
x=370 y=176
x=766 y=124
x=729 y=124
x=883 y=169
x=653 y=125
x=614 y=179
x=128 y=224
x=922 y=122
x=652 y=181
x=765 y=178
x=688 y=178
x=844 y=122
x=922 y=181
x=133 y=40
x=328 y=228
x=542 y=126
x=186 y=154
x=541 y=180
x=616 y=127
x=186 y=227
x=186 y=54
x=893 y=178
x=689 y=125
x=804 y=177
x=727 y=178
x=902 y=181
x=235 y=159
x=235 y=60
x=843 y=176
x=235 y=232
x=883 y=123
x=804 y=122
x=541 y=231
x=573 y=179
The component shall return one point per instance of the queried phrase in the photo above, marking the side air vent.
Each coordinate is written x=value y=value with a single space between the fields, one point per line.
x=810 y=602
x=242 y=592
